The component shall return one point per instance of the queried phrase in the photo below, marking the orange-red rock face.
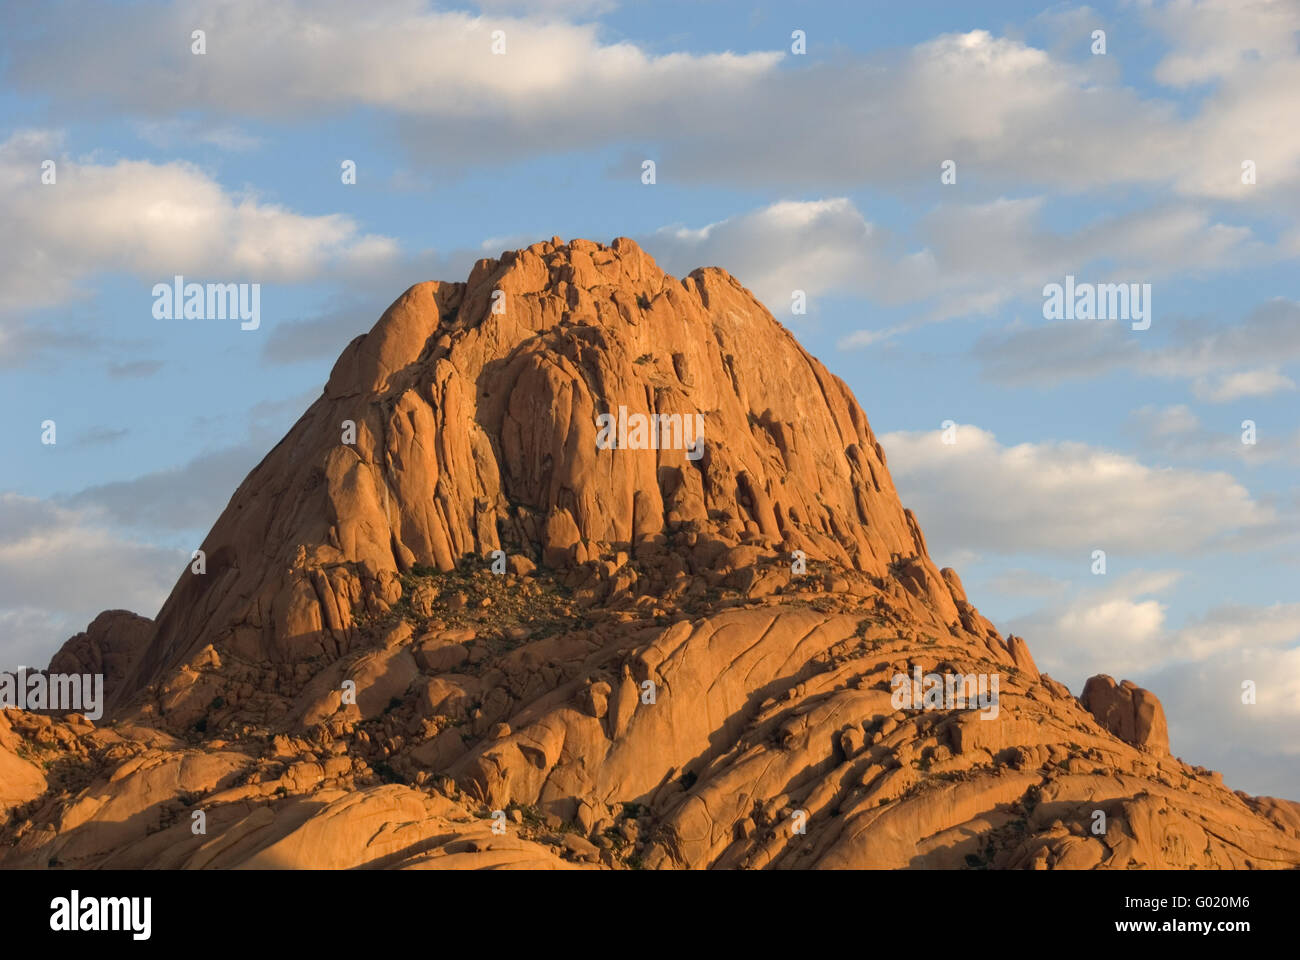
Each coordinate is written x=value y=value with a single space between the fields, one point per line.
x=680 y=658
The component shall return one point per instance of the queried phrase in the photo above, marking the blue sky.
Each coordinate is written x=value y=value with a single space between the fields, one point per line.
x=818 y=172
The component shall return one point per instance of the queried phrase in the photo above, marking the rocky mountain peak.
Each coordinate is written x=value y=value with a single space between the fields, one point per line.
x=469 y=420
x=575 y=564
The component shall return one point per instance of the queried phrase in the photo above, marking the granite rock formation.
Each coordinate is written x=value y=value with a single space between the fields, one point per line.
x=440 y=626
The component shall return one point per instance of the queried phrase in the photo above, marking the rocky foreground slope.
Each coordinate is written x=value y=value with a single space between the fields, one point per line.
x=439 y=626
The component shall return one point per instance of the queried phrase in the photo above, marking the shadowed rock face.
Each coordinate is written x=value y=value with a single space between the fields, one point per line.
x=687 y=656
x=111 y=645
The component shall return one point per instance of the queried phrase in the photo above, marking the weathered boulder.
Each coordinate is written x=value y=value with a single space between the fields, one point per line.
x=1128 y=711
